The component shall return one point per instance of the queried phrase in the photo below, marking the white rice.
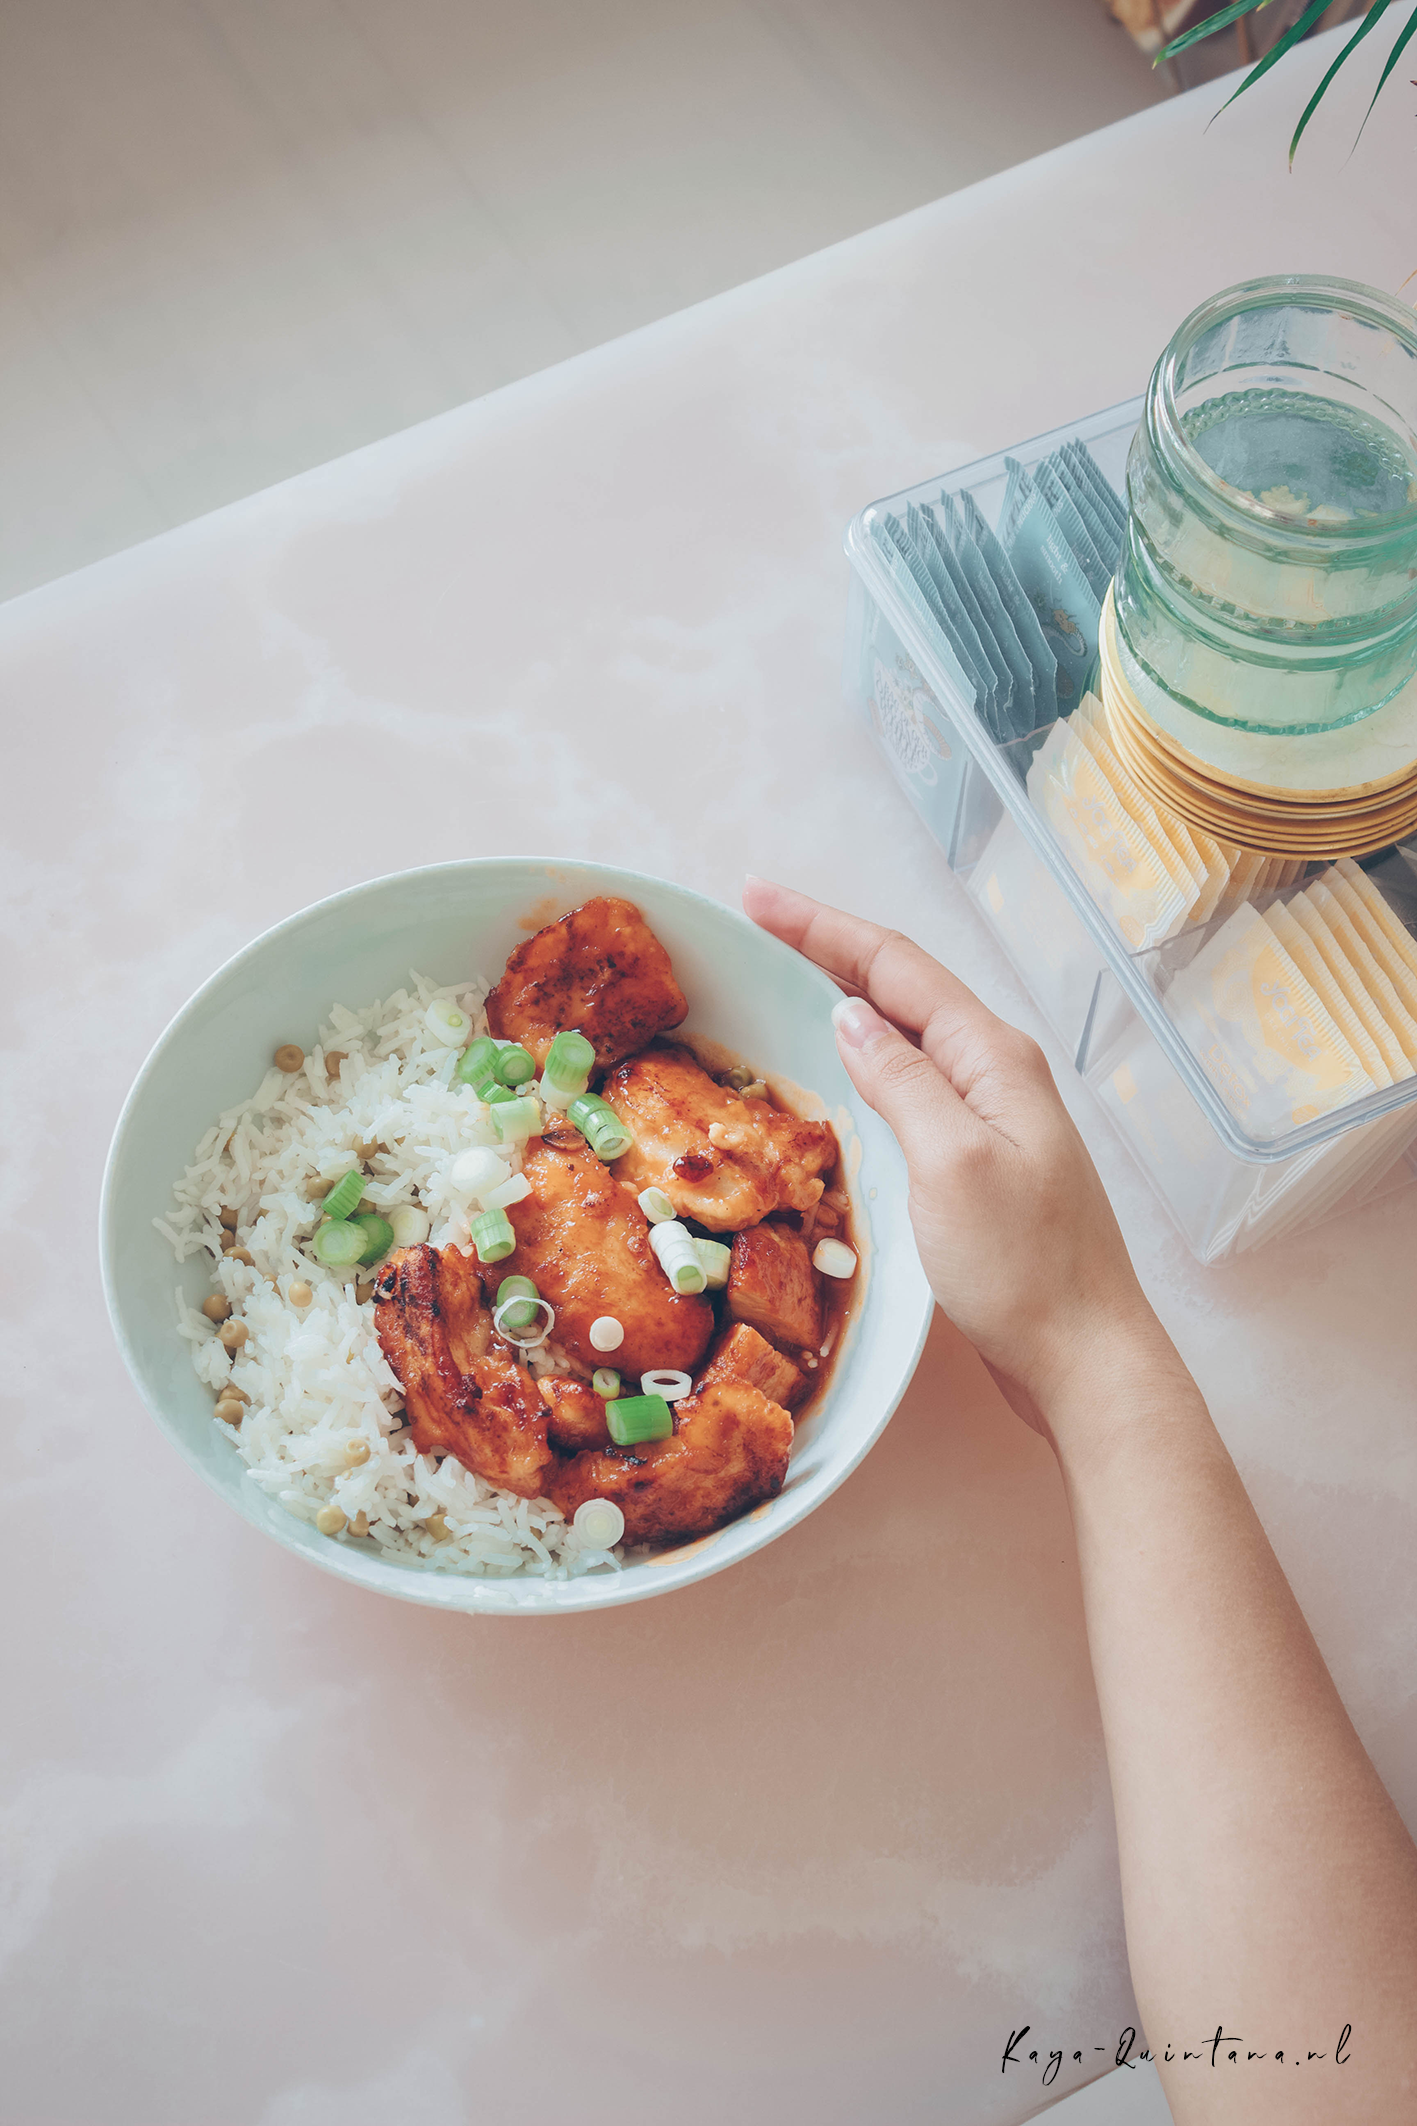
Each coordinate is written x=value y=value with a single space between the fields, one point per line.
x=316 y=1377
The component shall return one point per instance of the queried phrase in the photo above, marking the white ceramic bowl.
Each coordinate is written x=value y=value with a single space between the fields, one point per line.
x=744 y=989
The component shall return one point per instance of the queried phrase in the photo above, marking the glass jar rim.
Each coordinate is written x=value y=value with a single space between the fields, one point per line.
x=1275 y=292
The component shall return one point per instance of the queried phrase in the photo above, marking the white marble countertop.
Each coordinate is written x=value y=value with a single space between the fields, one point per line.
x=807 y=1841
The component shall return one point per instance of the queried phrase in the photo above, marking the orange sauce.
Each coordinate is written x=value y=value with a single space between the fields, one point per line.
x=829 y=1221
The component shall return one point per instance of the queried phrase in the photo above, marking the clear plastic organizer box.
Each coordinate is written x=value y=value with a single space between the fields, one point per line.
x=1226 y=1188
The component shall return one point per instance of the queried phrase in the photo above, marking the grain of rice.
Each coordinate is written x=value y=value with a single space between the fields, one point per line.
x=315 y=1373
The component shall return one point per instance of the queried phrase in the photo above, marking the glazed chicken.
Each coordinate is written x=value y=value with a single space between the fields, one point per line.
x=726 y=1162
x=577 y=1413
x=719 y=1158
x=772 y=1285
x=464 y=1391
x=584 y=1242
x=728 y=1453
x=744 y=1355
x=601 y=970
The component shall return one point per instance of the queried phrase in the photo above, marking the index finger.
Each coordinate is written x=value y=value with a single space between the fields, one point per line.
x=899 y=977
x=960 y=1035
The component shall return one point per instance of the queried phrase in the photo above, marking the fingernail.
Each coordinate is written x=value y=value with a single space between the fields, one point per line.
x=856 y=1022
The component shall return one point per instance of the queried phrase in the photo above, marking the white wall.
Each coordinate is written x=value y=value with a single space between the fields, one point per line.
x=238 y=237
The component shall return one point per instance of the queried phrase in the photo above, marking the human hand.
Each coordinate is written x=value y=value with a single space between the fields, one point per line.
x=1014 y=1228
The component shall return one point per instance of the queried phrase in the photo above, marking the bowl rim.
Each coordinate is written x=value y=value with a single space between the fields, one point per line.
x=467 y=1593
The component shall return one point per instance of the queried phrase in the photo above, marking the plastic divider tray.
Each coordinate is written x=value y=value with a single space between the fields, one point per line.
x=1227 y=1189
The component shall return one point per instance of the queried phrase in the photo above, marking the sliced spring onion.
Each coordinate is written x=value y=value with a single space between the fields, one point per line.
x=569 y=1062
x=477 y=1172
x=601 y=1127
x=379 y=1235
x=493 y=1093
x=655 y=1205
x=678 y=1257
x=606 y=1333
x=507 y=1193
x=492 y=1236
x=340 y=1245
x=715 y=1257
x=344 y=1195
x=516 y=1118
x=510 y=1290
x=447 y=1022
x=834 y=1258
x=599 y=1523
x=671 y=1385
x=477 y=1062
x=515 y=1064
x=410 y=1225
x=606 y=1381
x=632 y=1418
x=539 y=1331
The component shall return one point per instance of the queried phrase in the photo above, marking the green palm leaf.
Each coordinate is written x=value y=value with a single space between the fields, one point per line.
x=1286 y=42
x=1369 y=22
x=1208 y=28
x=1281 y=45
x=1404 y=38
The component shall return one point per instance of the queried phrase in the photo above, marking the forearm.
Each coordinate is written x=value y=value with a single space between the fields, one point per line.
x=1269 y=1887
x=1268 y=1883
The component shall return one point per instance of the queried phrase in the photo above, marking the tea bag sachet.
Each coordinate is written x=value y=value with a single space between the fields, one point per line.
x=1309 y=1184
x=968 y=654
x=1227 y=856
x=1365 y=1005
x=1311 y=964
x=1070 y=523
x=1104 y=540
x=1014 y=600
x=919 y=570
x=1108 y=850
x=1381 y=914
x=1184 y=866
x=1108 y=503
x=1389 y=942
x=1198 y=853
x=1038 y=926
x=1245 y=868
x=1374 y=976
x=1312 y=1185
x=1069 y=611
x=918 y=547
x=905 y=581
x=1227 y=1210
x=965 y=619
x=1270 y=876
x=1022 y=717
x=1259 y=1031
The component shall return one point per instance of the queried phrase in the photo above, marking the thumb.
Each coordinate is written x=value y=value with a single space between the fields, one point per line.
x=898 y=1080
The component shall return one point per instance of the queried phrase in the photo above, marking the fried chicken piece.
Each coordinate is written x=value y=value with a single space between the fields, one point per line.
x=771 y=1283
x=577 y=1417
x=584 y=1242
x=728 y=1453
x=463 y=1390
x=601 y=970
x=719 y=1158
x=744 y=1355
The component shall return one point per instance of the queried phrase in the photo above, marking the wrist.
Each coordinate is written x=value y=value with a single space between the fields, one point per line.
x=1117 y=1378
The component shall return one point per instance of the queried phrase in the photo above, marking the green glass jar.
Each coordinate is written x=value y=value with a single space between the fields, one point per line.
x=1269 y=575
